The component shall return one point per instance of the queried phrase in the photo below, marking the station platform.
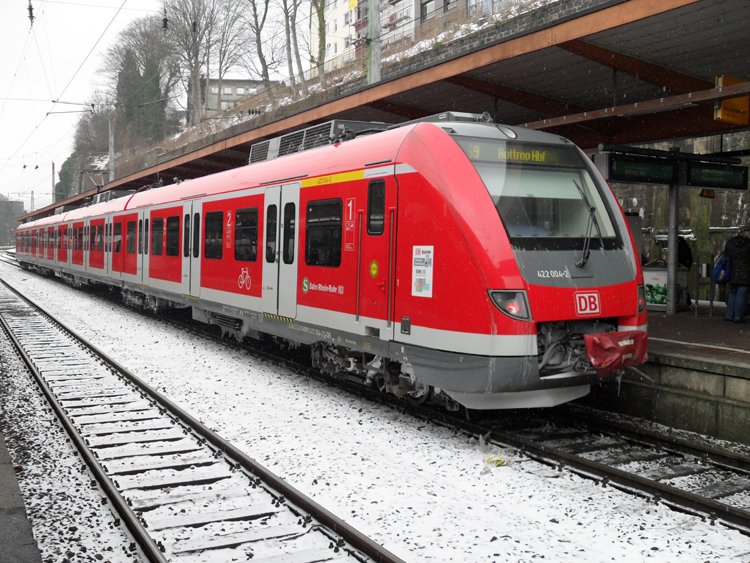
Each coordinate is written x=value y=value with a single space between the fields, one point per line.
x=17 y=544
x=697 y=377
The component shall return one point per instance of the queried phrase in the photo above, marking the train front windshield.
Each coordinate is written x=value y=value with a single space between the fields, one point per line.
x=544 y=194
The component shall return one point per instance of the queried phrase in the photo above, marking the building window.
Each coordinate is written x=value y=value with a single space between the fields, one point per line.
x=246 y=235
x=323 y=235
x=214 y=235
x=173 y=236
x=214 y=89
x=228 y=90
x=240 y=91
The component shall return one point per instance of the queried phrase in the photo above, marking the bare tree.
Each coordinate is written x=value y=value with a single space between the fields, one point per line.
x=290 y=9
x=191 y=25
x=231 y=39
x=317 y=14
x=264 y=55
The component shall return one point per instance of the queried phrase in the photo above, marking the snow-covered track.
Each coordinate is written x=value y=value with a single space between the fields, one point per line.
x=182 y=491
x=699 y=478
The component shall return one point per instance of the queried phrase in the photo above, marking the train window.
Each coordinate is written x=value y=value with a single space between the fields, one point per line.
x=79 y=238
x=196 y=234
x=186 y=238
x=173 y=236
x=246 y=235
x=92 y=234
x=140 y=236
x=131 y=237
x=117 y=239
x=145 y=237
x=290 y=211
x=323 y=235
x=376 y=207
x=214 y=235
x=157 y=236
x=271 y=234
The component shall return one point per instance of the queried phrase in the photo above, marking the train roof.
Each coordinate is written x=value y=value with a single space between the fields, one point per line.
x=380 y=148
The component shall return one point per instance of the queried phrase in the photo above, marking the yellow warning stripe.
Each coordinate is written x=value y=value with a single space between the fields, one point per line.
x=278 y=318
x=333 y=179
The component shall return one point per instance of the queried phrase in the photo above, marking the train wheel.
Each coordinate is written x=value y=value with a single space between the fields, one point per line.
x=419 y=396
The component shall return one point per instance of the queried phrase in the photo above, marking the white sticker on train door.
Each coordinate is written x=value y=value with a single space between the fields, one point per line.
x=421 y=270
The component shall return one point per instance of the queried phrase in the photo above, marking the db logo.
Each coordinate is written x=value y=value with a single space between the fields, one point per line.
x=587 y=303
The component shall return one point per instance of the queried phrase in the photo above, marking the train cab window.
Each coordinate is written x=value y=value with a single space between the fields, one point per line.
x=214 y=235
x=246 y=235
x=290 y=210
x=323 y=235
x=131 y=237
x=271 y=234
x=157 y=236
x=140 y=236
x=376 y=207
x=196 y=234
x=117 y=238
x=173 y=236
x=145 y=237
x=186 y=237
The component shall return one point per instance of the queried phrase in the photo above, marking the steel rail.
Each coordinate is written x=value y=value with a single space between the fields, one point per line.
x=147 y=545
x=351 y=535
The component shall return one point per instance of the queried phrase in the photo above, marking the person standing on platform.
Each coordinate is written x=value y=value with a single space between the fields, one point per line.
x=738 y=250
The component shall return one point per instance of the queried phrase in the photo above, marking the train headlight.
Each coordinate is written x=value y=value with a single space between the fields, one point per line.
x=512 y=303
x=641 y=298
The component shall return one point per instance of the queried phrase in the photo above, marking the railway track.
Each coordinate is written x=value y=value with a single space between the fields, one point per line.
x=702 y=479
x=183 y=492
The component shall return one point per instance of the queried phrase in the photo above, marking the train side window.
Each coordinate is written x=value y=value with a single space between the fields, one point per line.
x=140 y=236
x=214 y=235
x=323 y=234
x=157 y=236
x=117 y=238
x=271 y=234
x=196 y=234
x=145 y=237
x=173 y=236
x=131 y=237
x=376 y=207
x=246 y=235
x=186 y=237
x=289 y=228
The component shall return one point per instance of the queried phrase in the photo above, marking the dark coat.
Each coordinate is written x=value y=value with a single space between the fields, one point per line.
x=738 y=250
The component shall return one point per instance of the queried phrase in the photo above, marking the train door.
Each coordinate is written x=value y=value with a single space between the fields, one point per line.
x=191 y=247
x=62 y=244
x=166 y=259
x=281 y=212
x=376 y=231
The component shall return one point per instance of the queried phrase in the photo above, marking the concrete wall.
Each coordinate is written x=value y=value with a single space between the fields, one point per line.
x=699 y=395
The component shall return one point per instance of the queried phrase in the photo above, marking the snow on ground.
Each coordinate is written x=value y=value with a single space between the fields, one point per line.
x=424 y=492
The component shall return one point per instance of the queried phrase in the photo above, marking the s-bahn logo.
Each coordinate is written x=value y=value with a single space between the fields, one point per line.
x=587 y=303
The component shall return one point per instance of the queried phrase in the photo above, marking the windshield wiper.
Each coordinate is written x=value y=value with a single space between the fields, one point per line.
x=592 y=222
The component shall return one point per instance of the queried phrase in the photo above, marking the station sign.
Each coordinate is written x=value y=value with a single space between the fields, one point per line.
x=714 y=175
x=640 y=169
x=670 y=169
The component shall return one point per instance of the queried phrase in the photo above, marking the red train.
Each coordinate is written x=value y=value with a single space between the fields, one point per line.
x=470 y=262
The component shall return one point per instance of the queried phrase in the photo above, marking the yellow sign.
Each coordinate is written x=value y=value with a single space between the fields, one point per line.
x=734 y=110
x=352 y=4
x=333 y=178
x=374 y=268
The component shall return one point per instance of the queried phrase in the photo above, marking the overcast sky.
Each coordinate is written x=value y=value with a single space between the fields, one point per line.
x=50 y=61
